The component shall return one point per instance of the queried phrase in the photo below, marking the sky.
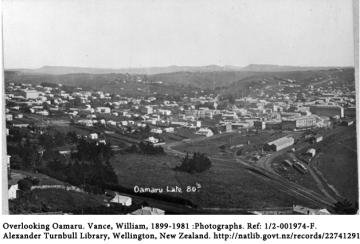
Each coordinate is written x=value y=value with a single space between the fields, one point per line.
x=146 y=33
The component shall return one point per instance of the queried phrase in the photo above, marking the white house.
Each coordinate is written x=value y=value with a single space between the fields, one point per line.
x=43 y=112
x=165 y=112
x=169 y=129
x=12 y=191
x=148 y=211
x=120 y=199
x=311 y=152
x=111 y=122
x=93 y=136
x=103 y=110
x=152 y=140
x=205 y=132
x=9 y=117
x=19 y=116
x=156 y=131
x=124 y=123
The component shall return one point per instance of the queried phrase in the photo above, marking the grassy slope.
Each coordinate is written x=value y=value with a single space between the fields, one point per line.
x=52 y=200
x=224 y=81
x=338 y=162
x=17 y=175
x=224 y=185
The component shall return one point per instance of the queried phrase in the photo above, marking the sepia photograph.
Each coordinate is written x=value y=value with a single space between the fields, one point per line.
x=175 y=107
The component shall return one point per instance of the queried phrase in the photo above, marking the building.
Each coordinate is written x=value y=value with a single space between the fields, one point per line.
x=260 y=125
x=13 y=192
x=311 y=152
x=43 y=112
x=279 y=144
x=228 y=127
x=205 y=132
x=302 y=122
x=148 y=110
x=120 y=199
x=169 y=129
x=316 y=139
x=298 y=209
x=201 y=113
x=30 y=94
x=148 y=211
x=103 y=110
x=347 y=122
x=327 y=110
x=85 y=122
x=229 y=116
x=156 y=131
x=273 y=125
x=165 y=112
x=152 y=140
x=9 y=117
x=93 y=136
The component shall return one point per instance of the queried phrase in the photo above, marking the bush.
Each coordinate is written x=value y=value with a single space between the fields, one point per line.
x=198 y=163
x=148 y=148
x=25 y=184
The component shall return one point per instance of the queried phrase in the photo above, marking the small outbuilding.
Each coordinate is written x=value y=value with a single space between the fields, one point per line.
x=311 y=152
x=120 y=199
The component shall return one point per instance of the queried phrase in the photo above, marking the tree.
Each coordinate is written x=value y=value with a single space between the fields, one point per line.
x=71 y=137
x=198 y=163
x=25 y=184
x=149 y=148
x=345 y=207
x=59 y=139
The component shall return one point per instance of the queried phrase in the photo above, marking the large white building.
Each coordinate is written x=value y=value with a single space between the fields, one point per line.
x=30 y=94
x=279 y=144
x=327 y=110
x=301 y=122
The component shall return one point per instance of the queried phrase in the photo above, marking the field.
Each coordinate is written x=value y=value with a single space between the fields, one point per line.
x=338 y=162
x=224 y=185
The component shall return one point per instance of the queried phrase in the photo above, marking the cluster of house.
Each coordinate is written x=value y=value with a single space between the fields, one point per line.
x=281 y=110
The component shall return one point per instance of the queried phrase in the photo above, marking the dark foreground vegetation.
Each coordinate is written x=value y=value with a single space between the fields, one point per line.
x=195 y=164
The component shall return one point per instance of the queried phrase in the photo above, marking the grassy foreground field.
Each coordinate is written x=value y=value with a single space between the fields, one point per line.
x=225 y=185
x=338 y=162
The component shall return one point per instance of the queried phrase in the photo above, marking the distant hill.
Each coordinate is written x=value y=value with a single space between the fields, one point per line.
x=282 y=68
x=60 y=70
x=177 y=83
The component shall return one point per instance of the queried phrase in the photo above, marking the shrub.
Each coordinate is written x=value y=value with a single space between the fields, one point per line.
x=198 y=163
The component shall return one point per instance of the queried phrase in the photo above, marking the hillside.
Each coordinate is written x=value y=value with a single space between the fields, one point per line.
x=61 y=70
x=282 y=68
x=178 y=83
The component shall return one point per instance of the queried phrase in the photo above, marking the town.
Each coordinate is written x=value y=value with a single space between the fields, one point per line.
x=283 y=129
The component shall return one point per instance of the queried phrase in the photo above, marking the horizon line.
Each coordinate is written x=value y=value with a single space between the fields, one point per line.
x=175 y=65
